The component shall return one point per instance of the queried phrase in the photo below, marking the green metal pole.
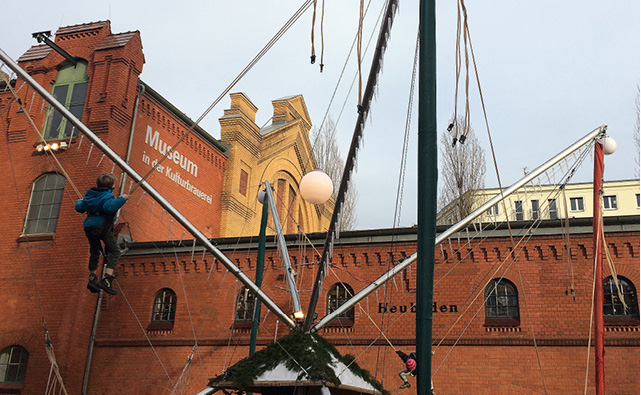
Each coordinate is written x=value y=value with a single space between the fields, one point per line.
x=427 y=190
x=260 y=264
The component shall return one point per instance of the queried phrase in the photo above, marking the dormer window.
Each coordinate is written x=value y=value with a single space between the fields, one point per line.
x=70 y=89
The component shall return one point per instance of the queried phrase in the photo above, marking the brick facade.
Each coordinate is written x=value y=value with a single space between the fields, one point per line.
x=473 y=356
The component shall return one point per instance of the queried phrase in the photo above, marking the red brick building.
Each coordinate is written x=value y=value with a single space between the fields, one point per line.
x=173 y=295
x=476 y=350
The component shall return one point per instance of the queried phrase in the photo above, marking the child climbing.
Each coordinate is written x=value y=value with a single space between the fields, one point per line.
x=410 y=369
x=101 y=205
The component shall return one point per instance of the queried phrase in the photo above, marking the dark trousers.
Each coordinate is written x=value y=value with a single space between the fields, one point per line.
x=96 y=235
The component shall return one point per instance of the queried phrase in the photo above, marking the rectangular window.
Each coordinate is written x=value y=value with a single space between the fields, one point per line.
x=552 y=209
x=576 y=204
x=637 y=200
x=610 y=202
x=243 y=182
x=53 y=129
x=290 y=206
x=76 y=104
x=493 y=211
x=535 y=209
x=70 y=90
x=518 y=208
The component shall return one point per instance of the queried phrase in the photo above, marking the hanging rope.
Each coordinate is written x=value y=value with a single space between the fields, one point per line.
x=313 y=56
x=185 y=375
x=54 y=373
x=35 y=128
x=566 y=238
x=322 y=64
x=55 y=378
x=587 y=362
x=359 y=56
x=153 y=349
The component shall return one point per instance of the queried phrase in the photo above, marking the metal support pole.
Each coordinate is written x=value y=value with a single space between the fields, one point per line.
x=458 y=226
x=427 y=190
x=287 y=265
x=233 y=269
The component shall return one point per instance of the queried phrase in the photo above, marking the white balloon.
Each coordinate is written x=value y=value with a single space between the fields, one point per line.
x=316 y=187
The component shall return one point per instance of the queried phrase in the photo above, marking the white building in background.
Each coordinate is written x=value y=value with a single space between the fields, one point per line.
x=549 y=202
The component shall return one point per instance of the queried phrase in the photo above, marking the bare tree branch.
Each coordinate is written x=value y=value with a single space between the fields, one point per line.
x=328 y=159
x=462 y=173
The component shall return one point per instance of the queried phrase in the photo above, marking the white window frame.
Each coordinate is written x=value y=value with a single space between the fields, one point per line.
x=577 y=199
x=493 y=211
x=611 y=199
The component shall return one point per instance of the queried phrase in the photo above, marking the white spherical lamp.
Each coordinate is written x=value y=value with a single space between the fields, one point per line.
x=609 y=145
x=261 y=196
x=316 y=187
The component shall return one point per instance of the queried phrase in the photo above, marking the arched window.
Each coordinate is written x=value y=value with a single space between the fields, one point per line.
x=164 y=306
x=13 y=364
x=244 y=305
x=44 y=206
x=70 y=89
x=338 y=294
x=622 y=303
x=501 y=303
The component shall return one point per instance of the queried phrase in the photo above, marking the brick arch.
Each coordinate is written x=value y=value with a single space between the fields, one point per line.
x=292 y=172
x=30 y=340
x=627 y=272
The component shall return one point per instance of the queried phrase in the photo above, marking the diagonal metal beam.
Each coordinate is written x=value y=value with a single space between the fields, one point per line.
x=287 y=265
x=458 y=226
x=273 y=307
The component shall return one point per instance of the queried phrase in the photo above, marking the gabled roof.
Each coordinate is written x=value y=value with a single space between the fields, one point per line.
x=115 y=40
x=273 y=126
x=35 y=52
x=302 y=360
x=81 y=28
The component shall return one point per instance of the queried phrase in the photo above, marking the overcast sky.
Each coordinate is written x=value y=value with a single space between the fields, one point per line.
x=551 y=71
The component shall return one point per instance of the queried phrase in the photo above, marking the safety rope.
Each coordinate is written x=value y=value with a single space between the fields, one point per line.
x=322 y=64
x=153 y=349
x=518 y=246
x=566 y=238
x=56 y=379
x=191 y=321
x=467 y=39
x=251 y=64
x=54 y=370
x=340 y=77
x=185 y=375
x=313 y=56
x=359 y=55
x=35 y=128
x=587 y=363
x=401 y=183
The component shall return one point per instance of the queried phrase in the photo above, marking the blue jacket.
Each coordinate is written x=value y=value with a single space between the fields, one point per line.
x=100 y=204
